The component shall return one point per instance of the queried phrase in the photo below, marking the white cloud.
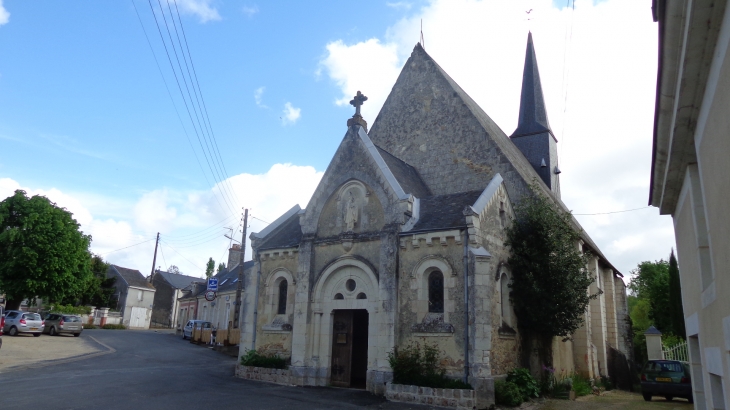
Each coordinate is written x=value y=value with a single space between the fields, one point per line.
x=191 y=223
x=604 y=130
x=291 y=114
x=399 y=5
x=250 y=10
x=258 y=95
x=200 y=8
x=4 y=14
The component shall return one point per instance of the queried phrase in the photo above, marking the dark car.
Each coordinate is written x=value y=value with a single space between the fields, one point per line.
x=667 y=378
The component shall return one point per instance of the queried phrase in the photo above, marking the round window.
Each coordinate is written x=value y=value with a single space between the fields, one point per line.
x=350 y=285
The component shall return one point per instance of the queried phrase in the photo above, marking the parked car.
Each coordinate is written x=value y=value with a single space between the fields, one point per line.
x=23 y=322
x=667 y=378
x=57 y=323
x=194 y=324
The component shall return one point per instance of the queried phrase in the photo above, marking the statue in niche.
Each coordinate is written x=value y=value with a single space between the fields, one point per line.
x=351 y=213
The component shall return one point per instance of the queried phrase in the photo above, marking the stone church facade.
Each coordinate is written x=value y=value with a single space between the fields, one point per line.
x=403 y=241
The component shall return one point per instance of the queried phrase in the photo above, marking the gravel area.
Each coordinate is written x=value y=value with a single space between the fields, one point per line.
x=25 y=350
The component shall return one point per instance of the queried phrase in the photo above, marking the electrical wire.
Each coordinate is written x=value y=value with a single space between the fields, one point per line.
x=205 y=107
x=177 y=112
x=187 y=108
x=181 y=255
x=163 y=258
x=120 y=249
x=615 y=212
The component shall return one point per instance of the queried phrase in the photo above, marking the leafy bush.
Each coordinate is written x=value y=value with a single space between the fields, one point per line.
x=525 y=382
x=418 y=366
x=71 y=310
x=606 y=383
x=507 y=393
x=90 y=326
x=111 y=326
x=255 y=359
x=581 y=385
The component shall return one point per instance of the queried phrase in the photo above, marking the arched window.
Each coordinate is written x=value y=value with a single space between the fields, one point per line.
x=436 y=292
x=282 y=297
x=504 y=299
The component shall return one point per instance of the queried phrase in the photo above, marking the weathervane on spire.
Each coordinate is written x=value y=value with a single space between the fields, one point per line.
x=357 y=119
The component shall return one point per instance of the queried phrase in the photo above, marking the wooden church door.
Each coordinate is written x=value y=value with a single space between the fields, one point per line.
x=341 y=348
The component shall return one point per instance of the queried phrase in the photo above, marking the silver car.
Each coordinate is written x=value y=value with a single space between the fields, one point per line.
x=194 y=324
x=57 y=323
x=23 y=322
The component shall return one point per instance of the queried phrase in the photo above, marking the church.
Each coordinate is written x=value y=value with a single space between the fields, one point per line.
x=403 y=241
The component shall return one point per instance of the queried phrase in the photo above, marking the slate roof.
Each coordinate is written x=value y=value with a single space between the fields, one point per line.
x=444 y=211
x=406 y=175
x=133 y=277
x=287 y=235
x=177 y=280
x=533 y=114
x=227 y=280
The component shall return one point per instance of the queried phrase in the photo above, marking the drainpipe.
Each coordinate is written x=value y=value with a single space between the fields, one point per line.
x=466 y=305
x=256 y=301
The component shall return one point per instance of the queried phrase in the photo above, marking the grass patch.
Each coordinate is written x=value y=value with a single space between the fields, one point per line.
x=581 y=385
x=90 y=326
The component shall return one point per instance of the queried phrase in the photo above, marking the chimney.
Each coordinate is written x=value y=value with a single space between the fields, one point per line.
x=234 y=256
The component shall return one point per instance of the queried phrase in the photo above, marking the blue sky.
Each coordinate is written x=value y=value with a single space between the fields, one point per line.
x=86 y=119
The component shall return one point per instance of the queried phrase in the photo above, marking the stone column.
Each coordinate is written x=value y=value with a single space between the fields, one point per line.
x=301 y=374
x=104 y=314
x=654 y=349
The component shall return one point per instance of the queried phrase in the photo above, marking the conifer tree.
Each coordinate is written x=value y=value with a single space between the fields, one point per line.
x=676 y=310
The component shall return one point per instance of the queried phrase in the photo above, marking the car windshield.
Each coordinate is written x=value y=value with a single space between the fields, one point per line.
x=31 y=316
x=70 y=319
x=674 y=367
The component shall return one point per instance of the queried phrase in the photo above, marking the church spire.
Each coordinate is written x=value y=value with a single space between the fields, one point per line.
x=533 y=135
x=533 y=114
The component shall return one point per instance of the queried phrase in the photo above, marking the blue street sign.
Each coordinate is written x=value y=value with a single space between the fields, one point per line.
x=213 y=284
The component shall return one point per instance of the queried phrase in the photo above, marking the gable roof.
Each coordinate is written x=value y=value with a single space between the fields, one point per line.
x=288 y=233
x=178 y=281
x=132 y=277
x=444 y=211
x=405 y=174
x=227 y=279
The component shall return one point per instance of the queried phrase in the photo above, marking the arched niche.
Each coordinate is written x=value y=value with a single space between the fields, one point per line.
x=351 y=208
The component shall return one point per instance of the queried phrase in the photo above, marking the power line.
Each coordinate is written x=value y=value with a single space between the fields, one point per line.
x=185 y=81
x=200 y=93
x=163 y=257
x=261 y=220
x=120 y=249
x=215 y=225
x=177 y=80
x=615 y=212
x=181 y=255
x=185 y=131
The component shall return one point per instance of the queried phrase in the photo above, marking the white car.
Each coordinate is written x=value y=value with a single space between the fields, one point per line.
x=197 y=324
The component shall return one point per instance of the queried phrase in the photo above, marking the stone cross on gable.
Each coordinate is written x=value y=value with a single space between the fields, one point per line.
x=357 y=102
x=357 y=119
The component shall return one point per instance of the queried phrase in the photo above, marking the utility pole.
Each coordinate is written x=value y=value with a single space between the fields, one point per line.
x=239 y=288
x=154 y=259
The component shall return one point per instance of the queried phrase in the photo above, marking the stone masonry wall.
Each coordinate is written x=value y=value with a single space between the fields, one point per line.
x=453 y=398
x=278 y=376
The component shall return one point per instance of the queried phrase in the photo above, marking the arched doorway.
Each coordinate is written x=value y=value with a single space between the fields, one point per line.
x=346 y=294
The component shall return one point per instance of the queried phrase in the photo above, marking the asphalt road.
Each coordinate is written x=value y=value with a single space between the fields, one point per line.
x=148 y=370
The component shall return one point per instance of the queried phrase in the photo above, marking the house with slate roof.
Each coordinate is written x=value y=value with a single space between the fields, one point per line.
x=403 y=241
x=135 y=296
x=170 y=288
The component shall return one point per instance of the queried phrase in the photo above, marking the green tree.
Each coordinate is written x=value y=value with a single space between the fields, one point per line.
x=676 y=312
x=209 y=267
x=549 y=288
x=100 y=289
x=174 y=269
x=221 y=266
x=651 y=282
x=43 y=253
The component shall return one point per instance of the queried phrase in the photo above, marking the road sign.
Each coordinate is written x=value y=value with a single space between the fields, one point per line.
x=213 y=284
x=210 y=296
